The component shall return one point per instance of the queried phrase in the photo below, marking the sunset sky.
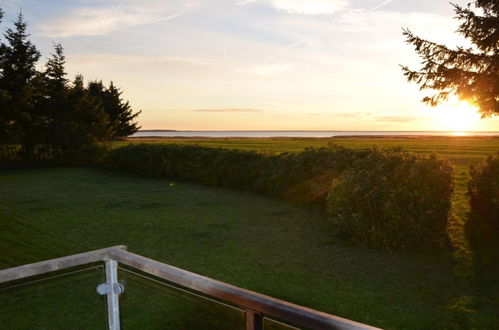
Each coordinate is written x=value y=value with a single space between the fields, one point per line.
x=255 y=64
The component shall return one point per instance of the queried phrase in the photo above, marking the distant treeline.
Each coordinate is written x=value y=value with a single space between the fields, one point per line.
x=42 y=114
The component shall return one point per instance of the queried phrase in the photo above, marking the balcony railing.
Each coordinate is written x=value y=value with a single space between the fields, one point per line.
x=256 y=306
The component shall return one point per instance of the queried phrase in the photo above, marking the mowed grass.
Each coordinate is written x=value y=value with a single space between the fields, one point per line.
x=461 y=151
x=238 y=237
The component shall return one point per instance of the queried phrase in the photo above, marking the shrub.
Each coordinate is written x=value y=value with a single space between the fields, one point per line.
x=303 y=177
x=393 y=200
x=90 y=155
x=483 y=189
x=389 y=199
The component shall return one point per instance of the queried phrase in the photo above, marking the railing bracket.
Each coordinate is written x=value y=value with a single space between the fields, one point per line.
x=103 y=289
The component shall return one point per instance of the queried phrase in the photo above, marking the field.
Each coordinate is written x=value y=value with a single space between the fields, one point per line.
x=460 y=150
x=244 y=239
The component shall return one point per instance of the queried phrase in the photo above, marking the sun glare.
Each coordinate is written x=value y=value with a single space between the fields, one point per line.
x=457 y=116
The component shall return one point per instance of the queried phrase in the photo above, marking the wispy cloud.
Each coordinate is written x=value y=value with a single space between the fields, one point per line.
x=228 y=110
x=397 y=119
x=382 y=4
x=268 y=69
x=88 y=21
x=351 y=114
x=309 y=7
x=107 y=59
x=245 y=2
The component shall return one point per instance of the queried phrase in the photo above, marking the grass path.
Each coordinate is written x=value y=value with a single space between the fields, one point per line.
x=238 y=237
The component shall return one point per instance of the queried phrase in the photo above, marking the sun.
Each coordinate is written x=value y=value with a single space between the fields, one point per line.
x=456 y=115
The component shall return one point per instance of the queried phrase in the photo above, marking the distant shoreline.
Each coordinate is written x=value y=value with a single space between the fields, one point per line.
x=401 y=137
x=269 y=134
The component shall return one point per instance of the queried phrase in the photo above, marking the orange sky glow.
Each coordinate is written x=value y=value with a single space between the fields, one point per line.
x=256 y=64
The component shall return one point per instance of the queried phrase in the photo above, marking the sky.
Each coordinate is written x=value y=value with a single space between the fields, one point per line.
x=255 y=64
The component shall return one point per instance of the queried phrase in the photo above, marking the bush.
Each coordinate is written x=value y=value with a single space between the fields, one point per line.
x=483 y=188
x=91 y=155
x=393 y=200
x=303 y=177
x=389 y=199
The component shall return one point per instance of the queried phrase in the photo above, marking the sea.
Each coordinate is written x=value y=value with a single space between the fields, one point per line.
x=303 y=134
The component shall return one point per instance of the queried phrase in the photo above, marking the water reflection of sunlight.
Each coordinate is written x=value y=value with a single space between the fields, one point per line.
x=460 y=134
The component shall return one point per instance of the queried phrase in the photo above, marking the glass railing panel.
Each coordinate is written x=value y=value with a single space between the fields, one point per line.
x=152 y=304
x=55 y=301
x=270 y=324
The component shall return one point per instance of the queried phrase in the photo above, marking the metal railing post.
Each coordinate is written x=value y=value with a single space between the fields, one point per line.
x=112 y=289
x=113 y=305
x=254 y=320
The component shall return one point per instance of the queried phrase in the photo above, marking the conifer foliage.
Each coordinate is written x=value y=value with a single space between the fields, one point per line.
x=42 y=113
x=470 y=73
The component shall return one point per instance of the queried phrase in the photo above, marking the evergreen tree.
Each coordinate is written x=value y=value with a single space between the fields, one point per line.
x=84 y=122
x=470 y=73
x=19 y=57
x=55 y=72
x=17 y=61
x=38 y=109
x=4 y=117
x=121 y=116
x=55 y=103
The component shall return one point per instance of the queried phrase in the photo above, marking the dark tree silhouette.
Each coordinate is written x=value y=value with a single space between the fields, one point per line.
x=18 y=60
x=55 y=102
x=84 y=121
x=19 y=57
x=470 y=73
x=4 y=115
x=45 y=114
x=121 y=116
x=54 y=70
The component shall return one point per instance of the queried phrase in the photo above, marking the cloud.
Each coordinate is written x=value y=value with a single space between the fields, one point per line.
x=361 y=20
x=267 y=69
x=350 y=114
x=88 y=21
x=309 y=7
x=108 y=59
x=245 y=2
x=382 y=4
x=228 y=110
x=397 y=119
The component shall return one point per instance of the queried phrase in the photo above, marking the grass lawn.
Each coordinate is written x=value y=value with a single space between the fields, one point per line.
x=238 y=237
x=460 y=151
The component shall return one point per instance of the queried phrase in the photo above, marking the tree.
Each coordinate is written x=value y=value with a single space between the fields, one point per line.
x=470 y=73
x=84 y=121
x=120 y=113
x=18 y=58
x=55 y=72
x=55 y=102
x=5 y=118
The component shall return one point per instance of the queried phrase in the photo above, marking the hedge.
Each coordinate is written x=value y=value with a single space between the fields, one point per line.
x=483 y=189
x=393 y=200
x=303 y=177
x=382 y=198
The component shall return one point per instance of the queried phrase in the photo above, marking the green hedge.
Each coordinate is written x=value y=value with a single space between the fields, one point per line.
x=392 y=199
x=303 y=177
x=389 y=199
x=483 y=189
x=90 y=155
